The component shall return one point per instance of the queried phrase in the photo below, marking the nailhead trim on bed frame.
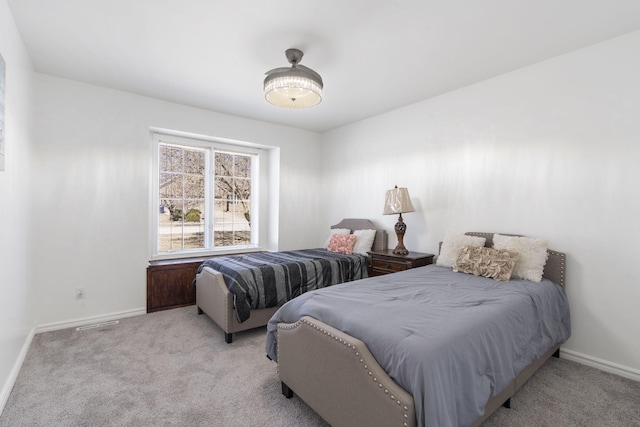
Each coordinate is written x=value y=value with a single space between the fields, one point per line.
x=356 y=353
x=563 y=260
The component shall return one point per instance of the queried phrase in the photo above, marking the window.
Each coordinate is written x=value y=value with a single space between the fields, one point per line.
x=205 y=194
x=232 y=188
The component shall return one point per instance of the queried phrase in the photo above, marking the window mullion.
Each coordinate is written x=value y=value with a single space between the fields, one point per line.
x=209 y=199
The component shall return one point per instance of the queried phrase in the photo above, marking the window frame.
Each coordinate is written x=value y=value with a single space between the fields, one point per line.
x=259 y=190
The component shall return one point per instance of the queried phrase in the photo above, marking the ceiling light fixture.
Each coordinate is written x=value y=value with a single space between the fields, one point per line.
x=295 y=87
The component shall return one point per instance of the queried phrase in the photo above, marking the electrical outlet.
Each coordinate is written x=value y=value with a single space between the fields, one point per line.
x=81 y=293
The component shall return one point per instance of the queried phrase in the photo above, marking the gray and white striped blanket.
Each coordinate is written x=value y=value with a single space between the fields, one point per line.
x=269 y=279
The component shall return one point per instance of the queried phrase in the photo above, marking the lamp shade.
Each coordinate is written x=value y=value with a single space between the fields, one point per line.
x=397 y=201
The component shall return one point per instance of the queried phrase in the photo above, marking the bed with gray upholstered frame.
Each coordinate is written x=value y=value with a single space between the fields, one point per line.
x=337 y=376
x=214 y=298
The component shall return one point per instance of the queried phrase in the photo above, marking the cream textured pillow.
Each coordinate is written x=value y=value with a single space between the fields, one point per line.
x=336 y=231
x=532 y=255
x=342 y=243
x=364 y=241
x=488 y=262
x=453 y=244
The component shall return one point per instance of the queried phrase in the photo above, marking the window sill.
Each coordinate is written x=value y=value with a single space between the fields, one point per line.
x=201 y=255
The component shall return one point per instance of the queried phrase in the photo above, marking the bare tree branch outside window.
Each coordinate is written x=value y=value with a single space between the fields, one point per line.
x=232 y=192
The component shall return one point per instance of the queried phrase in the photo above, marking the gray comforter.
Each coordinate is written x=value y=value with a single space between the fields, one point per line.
x=452 y=340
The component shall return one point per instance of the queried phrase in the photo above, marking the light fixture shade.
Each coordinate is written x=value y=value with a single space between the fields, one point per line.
x=295 y=87
x=397 y=201
x=292 y=89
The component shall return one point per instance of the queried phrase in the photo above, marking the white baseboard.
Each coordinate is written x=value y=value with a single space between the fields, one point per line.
x=74 y=323
x=13 y=375
x=604 y=365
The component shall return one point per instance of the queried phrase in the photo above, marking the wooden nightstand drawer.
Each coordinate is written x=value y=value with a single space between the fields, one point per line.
x=385 y=262
x=390 y=265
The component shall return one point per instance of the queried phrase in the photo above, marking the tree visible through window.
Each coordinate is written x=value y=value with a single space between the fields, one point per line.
x=232 y=214
x=191 y=204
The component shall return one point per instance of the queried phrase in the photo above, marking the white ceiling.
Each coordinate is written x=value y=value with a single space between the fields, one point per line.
x=373 y=55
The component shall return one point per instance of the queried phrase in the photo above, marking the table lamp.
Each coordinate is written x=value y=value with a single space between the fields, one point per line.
x=397 y=201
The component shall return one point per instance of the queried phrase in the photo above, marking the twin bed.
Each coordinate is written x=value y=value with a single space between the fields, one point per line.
x=427 y=346
x=224 y=293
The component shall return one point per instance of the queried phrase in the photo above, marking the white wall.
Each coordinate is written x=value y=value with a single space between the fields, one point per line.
x=16 y=292
x=91 y=169
x=550 y=151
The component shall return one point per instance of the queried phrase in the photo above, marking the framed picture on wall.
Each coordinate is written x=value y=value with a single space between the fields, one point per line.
x=2 y=128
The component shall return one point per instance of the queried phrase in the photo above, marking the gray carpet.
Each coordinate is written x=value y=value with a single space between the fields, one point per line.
x=173 y=368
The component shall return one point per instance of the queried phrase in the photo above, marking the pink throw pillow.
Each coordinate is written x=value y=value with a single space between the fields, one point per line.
x=342 y=243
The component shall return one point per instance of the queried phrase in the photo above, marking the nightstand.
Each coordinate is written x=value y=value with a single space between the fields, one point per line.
x=385 y=262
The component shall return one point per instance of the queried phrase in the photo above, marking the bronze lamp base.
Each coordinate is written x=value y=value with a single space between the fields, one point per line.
x=400 y=228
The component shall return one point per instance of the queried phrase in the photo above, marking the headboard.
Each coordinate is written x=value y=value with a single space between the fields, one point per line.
x=379 y=243
x=554 y=269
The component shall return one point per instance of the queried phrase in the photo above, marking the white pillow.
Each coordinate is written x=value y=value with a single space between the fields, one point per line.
x=364 y=241
x=532 y=255
x=452 y=246
x=336 y=231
